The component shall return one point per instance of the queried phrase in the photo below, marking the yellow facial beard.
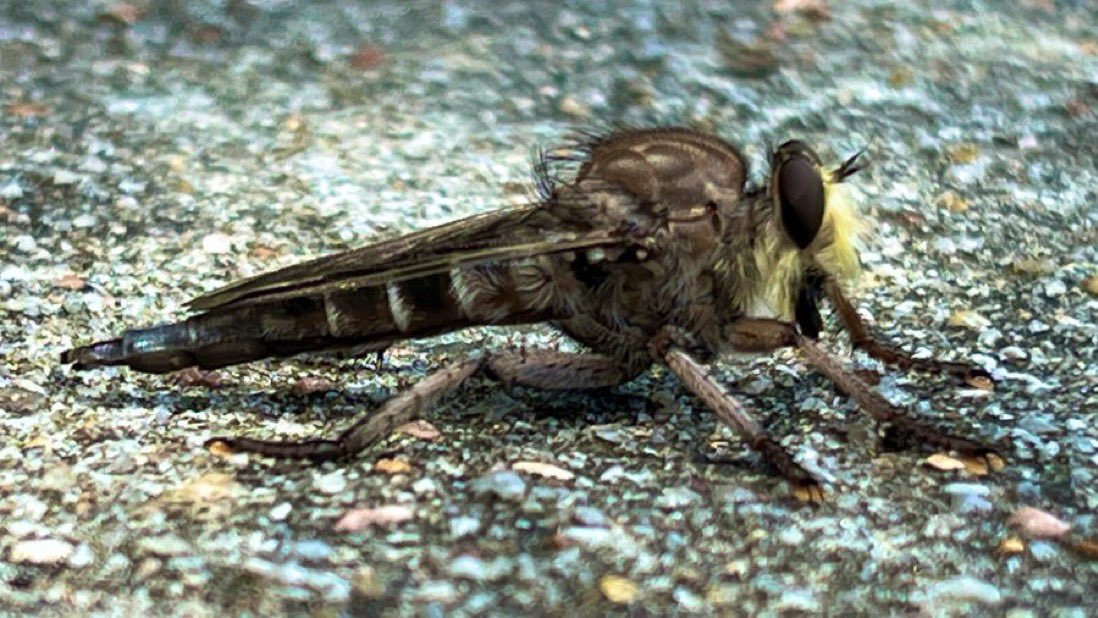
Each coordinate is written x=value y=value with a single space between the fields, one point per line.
x=780 y=266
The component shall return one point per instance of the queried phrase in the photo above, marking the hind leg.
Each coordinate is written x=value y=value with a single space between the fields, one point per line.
x=540 y=369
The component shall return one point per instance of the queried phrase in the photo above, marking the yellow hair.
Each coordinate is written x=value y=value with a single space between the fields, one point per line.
x=779 y=265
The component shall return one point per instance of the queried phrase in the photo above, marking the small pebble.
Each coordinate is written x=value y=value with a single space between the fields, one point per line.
x=313 y=550
x=791 y=535
x=11 y=191
x=589 y=516
x=83 y=556
x=281 y=511
x=356 y=520
x=468 y=567
x=964 y=589
x=168 y=545
x=674 y=498
x=1055 y=288
x=331 y=483
x=41 y=551
x=424 y=486
x=463 y=526
x=504 y=484
x=217 y=243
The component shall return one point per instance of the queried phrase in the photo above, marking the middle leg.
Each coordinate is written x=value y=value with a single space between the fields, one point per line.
x=698 y=381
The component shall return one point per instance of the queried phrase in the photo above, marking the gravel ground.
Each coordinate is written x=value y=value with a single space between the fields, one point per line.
x=151 y=152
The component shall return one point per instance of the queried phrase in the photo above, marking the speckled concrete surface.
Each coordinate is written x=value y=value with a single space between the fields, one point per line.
x=150 y=152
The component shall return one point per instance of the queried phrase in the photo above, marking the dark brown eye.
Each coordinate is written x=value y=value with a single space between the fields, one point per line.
x=801 y=196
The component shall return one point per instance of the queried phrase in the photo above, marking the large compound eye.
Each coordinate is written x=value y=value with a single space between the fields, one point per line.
x=801 y=197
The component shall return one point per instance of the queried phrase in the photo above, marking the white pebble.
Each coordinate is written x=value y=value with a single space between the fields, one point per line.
x=217 y=243
x=11 y=191
x=1055 y=288
x=791 y=536
x=424 y=486
x=25 y=243
x=41 y=551
x=464 y=525
x=333 y=483
x=281 y=512
x=65 y=177
x=82 y=557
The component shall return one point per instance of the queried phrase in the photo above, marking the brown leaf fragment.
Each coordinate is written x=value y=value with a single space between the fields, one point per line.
x=543 y=469
x=1011 y=545
x=1037 y=524
x=25 y=110
x=1090 y=284
x=355 y=520
x=419 y=429
x=618 y=589
x=70 y=281
x=264 y=253
x=941 y=461
x=311 y=386
x=392 y=466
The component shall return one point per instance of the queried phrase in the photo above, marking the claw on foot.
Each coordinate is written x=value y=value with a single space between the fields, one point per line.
x=220 y=447
x=808 y=492
x=975 y=463
x=670 y=335
x=982 y=464
x=979 y=379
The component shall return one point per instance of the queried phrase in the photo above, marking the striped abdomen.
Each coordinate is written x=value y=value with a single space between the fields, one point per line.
x=368 y=317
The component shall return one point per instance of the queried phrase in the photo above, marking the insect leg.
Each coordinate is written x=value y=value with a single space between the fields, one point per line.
x=698 y=381
x=401 y=408
x=881 y=409
x=540 y=369
x=862 y=338
x=559 y=370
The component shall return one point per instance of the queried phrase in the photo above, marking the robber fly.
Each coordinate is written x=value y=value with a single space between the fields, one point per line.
x=643 y=245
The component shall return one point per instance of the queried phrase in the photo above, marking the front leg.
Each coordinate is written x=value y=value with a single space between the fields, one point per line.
x=861 y=338
x=882 y=410
x=755 y=335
